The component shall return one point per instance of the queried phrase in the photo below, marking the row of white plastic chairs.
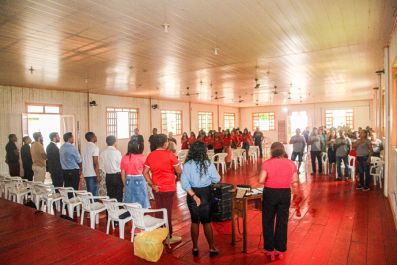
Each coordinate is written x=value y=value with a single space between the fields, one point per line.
x=45 y=197
x=376 y=167
x=238 y=157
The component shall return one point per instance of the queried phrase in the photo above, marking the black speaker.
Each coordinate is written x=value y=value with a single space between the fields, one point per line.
x=221 y=206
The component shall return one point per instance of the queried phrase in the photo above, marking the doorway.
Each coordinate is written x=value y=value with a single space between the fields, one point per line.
x=298 y=119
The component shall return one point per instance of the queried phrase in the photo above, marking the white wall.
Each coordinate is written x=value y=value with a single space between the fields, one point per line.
x=13 y=100
x=391 y=162
x=362 y=116
x=12 y=105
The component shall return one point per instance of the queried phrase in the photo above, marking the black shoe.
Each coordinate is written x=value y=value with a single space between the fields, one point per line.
x=338 y=179
x=214 y=252
x=359 y=187
x=195 y=252
x=366 y=189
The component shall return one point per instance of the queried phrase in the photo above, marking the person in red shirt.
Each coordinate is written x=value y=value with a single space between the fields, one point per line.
x=163 y=166
x=192 y=138
x=277 y=174
x=210 y=140
x=185 y=141
x=218 y=144
x=247 y=141
x=235 y=140
x=227 y=141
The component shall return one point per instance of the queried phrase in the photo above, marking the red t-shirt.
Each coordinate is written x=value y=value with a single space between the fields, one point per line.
x=161 y=164
x=227 y=141
x=191 y=140
x=279 y=172
x=185 y=143
x=132 y=164
x=210 y=140
x=218 y=144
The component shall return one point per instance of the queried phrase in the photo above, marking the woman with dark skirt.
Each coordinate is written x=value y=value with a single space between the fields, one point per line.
x=331 y=152
x=277 y=174
x=197 y=176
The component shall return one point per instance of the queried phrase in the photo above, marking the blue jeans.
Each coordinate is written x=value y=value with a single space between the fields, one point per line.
x=345 y=160
x=363 y=171
x=90 y=182
x=136 y=191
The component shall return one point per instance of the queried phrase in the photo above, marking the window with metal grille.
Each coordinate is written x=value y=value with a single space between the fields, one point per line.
x=205 y=121
x=264 y=120
x=228 y=120
x=121 y=122
x=171 y=121
x=341 y=117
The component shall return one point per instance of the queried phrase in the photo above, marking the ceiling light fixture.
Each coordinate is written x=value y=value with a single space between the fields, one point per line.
x=216 y=51
x=166 y=26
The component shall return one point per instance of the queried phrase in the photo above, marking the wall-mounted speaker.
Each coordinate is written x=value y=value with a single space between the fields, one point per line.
x=155 y=106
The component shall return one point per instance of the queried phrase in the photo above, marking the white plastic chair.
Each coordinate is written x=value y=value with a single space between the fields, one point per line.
x=324 y=160
x=114 y=212
x=17 y=190
x=219 y=159
x=241 y=156
x=145 y=222
x=91 y=206
x=235 y=161
x=8 y=185
x=352 y=167
x=253 y=153
x=182 y=154
x=69 y=203
x=376 y=170
x=48 y=198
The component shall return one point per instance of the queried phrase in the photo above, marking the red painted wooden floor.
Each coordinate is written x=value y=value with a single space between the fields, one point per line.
x=330 y=223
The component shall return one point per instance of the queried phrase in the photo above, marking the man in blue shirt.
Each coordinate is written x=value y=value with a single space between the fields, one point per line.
x=70 y=162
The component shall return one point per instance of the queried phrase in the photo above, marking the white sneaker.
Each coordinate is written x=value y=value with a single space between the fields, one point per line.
x=174 y=240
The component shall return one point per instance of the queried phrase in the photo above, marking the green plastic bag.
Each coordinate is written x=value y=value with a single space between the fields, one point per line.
x=149 y=245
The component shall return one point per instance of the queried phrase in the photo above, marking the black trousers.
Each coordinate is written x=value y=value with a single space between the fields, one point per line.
x=275 y=205
x=72 y=178
x=57 y=178
x=14 y=169
x=28 y=172
x=316 y=155
x=114 y=186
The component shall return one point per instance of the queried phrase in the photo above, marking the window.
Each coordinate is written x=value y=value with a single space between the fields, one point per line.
x=121 y=122
x=205 y=121
x=171 y=121
x=336 y=118
x=228 y=121
x=263 y=120
x=43 y=108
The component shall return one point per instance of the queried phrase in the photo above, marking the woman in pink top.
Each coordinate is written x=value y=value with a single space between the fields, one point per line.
x=132 y=165
x=277 y=175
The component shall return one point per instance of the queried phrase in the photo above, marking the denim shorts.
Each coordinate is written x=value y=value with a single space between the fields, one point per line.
x=136 y=191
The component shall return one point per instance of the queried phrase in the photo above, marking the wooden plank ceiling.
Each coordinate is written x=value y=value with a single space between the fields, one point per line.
x=311 y=50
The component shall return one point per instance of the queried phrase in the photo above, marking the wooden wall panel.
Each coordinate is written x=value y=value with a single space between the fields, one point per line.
x=13 y=101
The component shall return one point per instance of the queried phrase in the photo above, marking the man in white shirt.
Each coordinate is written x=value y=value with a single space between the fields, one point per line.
x=298 y=147
x=109 y=161
x=90 y=156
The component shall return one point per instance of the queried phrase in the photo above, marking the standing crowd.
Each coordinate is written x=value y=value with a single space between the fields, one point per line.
x=129 y=177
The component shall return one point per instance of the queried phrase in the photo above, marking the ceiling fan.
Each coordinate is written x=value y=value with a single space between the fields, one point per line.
x=188 y=92
x=216 y=96
x=240 y=100
x=275 y=92
x=257 y=85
